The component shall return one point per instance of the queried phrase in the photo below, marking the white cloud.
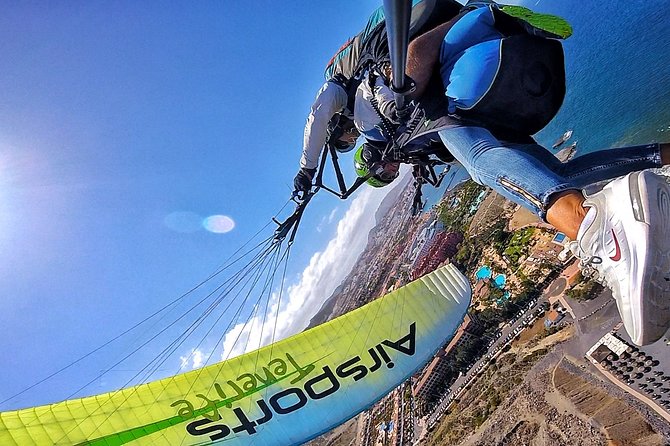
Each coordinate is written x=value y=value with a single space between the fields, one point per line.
x=331 y=217
x=193 y=360
x=325 y=272
x=326 y=220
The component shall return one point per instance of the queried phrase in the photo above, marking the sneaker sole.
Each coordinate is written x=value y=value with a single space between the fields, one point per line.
x=650 y=200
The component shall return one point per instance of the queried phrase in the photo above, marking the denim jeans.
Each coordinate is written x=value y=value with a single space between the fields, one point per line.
x=529 y=174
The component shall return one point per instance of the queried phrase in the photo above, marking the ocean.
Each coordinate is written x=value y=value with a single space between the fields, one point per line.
x=618 y=78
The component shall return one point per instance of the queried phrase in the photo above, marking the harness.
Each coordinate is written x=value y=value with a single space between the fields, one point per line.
x=524 y=96
x=368 y=49
x=350 y=86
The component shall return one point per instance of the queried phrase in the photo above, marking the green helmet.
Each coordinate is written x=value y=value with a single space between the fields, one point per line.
x=368 y=159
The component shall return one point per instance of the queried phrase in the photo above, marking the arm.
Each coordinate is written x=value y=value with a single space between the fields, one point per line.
x=385 y=99
x=331 y=99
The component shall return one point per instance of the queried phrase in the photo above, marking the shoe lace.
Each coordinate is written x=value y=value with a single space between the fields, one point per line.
x=589 y=265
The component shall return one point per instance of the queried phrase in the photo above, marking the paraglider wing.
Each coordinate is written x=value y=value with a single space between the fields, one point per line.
x=284 y=393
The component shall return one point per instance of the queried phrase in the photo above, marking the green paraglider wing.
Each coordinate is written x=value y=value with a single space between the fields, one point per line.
x=284 y=393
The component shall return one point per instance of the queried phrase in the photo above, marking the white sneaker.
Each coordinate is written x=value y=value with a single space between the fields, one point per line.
x=625 y=239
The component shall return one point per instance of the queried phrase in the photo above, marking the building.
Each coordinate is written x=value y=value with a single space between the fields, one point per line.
x=553 y=318
x=481 y=290
x=443 y=247
x=572 y=273
x=425 y=240
x=434 y=374
x=607 y=345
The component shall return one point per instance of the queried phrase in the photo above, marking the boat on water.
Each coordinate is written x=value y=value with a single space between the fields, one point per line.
x=562 y=139
x=567 y=153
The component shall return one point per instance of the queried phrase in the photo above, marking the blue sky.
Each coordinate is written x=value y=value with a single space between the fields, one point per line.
x=119 y=122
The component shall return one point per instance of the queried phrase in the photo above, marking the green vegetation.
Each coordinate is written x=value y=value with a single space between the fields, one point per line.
x=495 y=294
x=584 y=289
x=493 y=316
x=499 y=237
x=518 y=246
x=469 y=254
x=455 y=213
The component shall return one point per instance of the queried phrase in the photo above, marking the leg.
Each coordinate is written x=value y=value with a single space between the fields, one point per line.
x=524 y=173
x=565 y=211
x=530 y=175
x=612 y=163
x=623 y=233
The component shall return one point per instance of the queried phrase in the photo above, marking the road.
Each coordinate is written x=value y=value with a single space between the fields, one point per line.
x=525 y=318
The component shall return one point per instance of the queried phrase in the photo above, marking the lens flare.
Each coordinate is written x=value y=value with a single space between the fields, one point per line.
x=219 y=224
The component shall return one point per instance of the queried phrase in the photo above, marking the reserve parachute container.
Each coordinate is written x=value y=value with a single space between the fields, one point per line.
x=285 y=393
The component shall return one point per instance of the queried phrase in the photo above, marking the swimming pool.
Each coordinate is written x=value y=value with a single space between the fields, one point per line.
x=500 y=280
x=559 y=238
x=483 y=273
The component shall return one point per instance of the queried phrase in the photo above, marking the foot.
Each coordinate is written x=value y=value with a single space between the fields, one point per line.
x=625 y=240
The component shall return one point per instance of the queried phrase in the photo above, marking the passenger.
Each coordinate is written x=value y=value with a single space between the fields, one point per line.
x=503 y=84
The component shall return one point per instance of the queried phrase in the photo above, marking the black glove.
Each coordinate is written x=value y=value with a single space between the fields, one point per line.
x=303 y=180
